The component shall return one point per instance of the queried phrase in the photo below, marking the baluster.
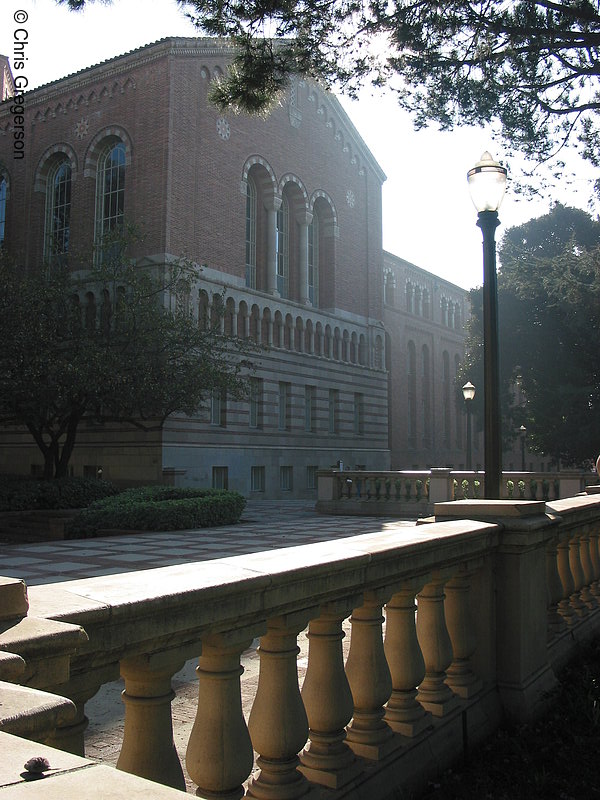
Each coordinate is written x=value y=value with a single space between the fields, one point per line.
x=278 y=723
x=556 y=622
x=407 y=667
x=219 y=754
x=576 y=571
x=327 y=759
x=595 y=561
x=148 y=749
x=565 y=608
x=461 y=629
x=586 y=567
x=370 y=682
x=434 y=694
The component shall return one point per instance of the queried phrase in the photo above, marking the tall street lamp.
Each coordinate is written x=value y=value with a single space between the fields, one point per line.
x=468 y=391
x=487 y=183
x=523 y=432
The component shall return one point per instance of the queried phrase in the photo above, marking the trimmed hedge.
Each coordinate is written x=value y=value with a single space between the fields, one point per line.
x=158 y=508
x=18 y=493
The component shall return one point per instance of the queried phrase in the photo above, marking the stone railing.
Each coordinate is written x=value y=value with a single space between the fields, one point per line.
x=413 y=493
x=502 y=592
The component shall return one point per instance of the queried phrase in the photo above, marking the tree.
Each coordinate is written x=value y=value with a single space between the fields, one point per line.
x=137 y=357
x=549 y=323
x=531 y=66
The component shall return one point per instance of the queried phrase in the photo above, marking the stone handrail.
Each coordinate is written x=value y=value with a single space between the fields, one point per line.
x=502 y=594
x=413 y=493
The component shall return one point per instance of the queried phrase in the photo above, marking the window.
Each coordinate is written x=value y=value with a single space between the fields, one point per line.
x=412 y=394
x=313 y=261
x=310 y=411
x=110 y=198
x=426 y=397
x=334 y=410
x=218 y=408
x=282 y=248
x=58 y=213
x=251 y=234
x=359 y=422
x=257 y=479
x=256 y=390
x=446 y=397
x=389 y=286
x=311 y=477
x=3 y=199
x=284 y=406
x=220 y=477
x=286 y=475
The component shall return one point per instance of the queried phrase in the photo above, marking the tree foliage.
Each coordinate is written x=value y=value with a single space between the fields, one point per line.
x=549 y=324
x=531 y=66
x=136 y=357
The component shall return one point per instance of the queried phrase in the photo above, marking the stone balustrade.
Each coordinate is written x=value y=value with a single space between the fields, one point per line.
x=453 y=626
x=413 y=493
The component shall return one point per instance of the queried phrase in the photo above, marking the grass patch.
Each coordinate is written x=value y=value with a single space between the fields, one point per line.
x=552 y=758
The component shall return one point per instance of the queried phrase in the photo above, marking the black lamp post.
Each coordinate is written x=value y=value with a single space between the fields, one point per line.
x=468 y=391
x=523 y=432
x=487 y=182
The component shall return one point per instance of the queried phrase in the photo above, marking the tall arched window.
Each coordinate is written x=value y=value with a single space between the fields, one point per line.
x=110 y=198
x=426 y=397
x=313 y=260
x=58 y=212
x=3 y=199
x=389 y=285
x=283 y=248
x=412 y=394
x=446 y=398
x=251 y=233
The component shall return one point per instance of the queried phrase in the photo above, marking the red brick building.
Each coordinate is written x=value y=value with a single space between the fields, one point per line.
x=283 y=212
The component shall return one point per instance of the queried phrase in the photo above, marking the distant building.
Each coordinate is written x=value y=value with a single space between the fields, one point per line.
x=285 y=214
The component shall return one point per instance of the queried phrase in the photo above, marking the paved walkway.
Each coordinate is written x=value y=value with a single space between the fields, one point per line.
x=265 y=525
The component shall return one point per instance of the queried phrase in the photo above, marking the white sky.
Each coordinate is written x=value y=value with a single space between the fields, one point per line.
x=431 y=225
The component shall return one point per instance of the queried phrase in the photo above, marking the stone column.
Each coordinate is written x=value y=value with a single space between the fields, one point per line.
x=434 y=694
x=461 y=628
x=556 y=622
x=304 y=219
x=370 y=681
x=272 y=206
x=278 y=723
x=328 y=700
x=595 y=561
x=403 y=713
x=577 y=572
x=148 y=749
x=566 y=579
x=219 y=754
x=587 y=596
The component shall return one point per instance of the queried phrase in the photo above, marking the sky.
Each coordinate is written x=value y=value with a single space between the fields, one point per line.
x=428 y=216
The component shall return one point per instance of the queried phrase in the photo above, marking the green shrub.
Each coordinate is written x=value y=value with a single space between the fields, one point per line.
x=18 y=493
x=159 y=508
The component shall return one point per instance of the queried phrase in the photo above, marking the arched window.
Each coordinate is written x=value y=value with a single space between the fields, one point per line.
x=283 y=248
x=389 y=285
x=313 y=260
x=58 y=213
x=110 y=198
x=426 y=397
x=3 y=200
x=412 y=394
x=446 y=398
x=251 y=233
x=409 y=297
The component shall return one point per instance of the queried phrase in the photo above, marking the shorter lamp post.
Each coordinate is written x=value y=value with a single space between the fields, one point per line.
x=468 y=391
x=523 y=432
